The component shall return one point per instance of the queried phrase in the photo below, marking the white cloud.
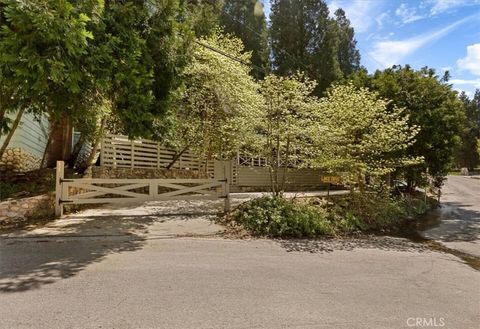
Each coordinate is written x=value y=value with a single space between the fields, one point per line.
x=381 y=19
x=472 y=61
x=407 y=14
x=468 y=82
x=361 y=13
x=388 y=53
x=441 y=6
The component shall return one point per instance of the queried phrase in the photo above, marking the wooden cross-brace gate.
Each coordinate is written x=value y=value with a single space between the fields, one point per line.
x=98 y=190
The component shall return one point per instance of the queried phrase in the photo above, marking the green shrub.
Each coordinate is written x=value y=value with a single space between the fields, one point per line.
x=6 y=189
x=279 y=217
x=376 y=211
x=348 y=222
x=27 y=184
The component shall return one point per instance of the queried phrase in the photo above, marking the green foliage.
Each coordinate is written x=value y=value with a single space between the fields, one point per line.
x=283 y=136
x=83 y=60
x=467 y=153
x=372 y=211
x=304 y=37
x=431 y=105
x=275 y=216
x=348 y=54
x=30 y=184
x=246 y=20
x=139 y=54
x=356 y=134
x=279 y=217
x=6 y=189
x=205 y=16
x=376 y=211
x=220 y=105
x=42 y=49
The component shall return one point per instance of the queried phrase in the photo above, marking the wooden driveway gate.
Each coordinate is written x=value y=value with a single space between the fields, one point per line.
x=93 y=190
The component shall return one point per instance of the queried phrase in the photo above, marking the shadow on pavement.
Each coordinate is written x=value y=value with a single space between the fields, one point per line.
x=349 y=244
x=33 y=261
x=61 y=249
x=29 y=263
x=453 y=221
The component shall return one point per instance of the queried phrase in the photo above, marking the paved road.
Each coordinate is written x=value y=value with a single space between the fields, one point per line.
x=457 y=223
x=128 y=268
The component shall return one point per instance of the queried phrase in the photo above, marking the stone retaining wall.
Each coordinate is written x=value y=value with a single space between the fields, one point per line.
x=33 y=207
x=137 y=173
x=18 y=160
x=42 y=206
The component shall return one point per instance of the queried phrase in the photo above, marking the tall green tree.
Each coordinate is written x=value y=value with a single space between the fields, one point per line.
x=73 y=59
x=467 y=153
x=205 y=16
x=140 y=50
x=246 y=20
x=303 y=37
x=348 y=54
x=43 y=46
x=432 y=105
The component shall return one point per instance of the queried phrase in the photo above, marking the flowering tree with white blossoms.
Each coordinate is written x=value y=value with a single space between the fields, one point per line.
x=221 y=104
x=357 y=135
x=287 y=113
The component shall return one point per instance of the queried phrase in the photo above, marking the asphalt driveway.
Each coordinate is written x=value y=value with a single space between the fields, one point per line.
x=456 y=224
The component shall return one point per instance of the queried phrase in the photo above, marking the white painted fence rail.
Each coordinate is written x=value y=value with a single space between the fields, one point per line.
x=100 y=191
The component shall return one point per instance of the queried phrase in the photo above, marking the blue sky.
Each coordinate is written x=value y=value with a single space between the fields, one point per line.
x=442 y=34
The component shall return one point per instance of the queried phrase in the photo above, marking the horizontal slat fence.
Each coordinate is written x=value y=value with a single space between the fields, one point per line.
x=260 y=176
x=244 y=171
x=119 y=151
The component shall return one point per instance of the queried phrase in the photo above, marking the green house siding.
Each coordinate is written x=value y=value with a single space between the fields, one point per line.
x=31 y=135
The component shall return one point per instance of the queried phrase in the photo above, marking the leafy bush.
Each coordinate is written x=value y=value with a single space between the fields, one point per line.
x=348 y=222
x=376 y=211
x=6 y=189
x=279 y=217
x=27 y=184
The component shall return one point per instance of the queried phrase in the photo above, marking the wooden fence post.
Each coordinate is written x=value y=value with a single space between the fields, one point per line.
x=152 y=189
x=58 y=189
x=226 y=190
x=102 y=151
x=132 y=156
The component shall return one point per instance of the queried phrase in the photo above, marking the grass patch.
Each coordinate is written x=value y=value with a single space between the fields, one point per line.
x=27 y=184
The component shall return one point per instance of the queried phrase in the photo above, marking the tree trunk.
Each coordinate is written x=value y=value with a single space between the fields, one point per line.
x=11 y=132
x=44 y=156
x=76 y=151
x=177 y=157
x=410 y=183
x=285 y=165
x=2 y=115
x=277 y=168
x=91 y=157
x=361 y=183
